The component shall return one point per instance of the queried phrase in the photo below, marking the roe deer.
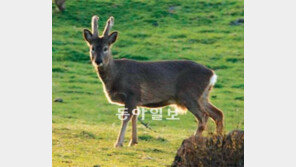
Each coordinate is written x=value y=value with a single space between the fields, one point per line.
x=151 y=84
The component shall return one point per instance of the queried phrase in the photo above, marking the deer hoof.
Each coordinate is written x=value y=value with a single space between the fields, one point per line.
x=117 y=145
x=132 y=143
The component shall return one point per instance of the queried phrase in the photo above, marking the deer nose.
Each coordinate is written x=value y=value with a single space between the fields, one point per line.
x=99 y=62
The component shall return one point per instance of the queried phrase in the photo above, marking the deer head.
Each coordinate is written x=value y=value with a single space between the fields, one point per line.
x=100 y=46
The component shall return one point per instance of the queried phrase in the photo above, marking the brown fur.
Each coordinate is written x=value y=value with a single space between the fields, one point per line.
x=152 y=84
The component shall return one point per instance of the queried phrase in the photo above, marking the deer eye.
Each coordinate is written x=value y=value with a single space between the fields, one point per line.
x=93 y=48
x=105 y=49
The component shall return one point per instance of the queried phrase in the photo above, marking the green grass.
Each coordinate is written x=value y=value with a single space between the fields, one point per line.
x=85 y=126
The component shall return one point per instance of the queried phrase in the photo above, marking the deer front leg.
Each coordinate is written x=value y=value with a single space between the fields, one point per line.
x=134 y=139
x=120 y=138
x=129 y=105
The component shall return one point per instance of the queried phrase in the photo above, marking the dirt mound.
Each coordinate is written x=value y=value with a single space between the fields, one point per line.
x=227 y=150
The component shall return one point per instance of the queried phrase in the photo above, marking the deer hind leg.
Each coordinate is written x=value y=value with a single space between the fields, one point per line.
x=199 y=112
x=215 y=113
x=217 y=116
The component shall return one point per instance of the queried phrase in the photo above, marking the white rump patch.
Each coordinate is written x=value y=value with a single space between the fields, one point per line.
x=213 y=80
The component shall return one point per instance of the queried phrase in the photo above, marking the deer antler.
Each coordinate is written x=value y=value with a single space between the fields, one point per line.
x=94 y=25
x=109 y=25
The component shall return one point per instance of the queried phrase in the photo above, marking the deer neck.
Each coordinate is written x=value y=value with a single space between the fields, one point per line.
x=107 y=72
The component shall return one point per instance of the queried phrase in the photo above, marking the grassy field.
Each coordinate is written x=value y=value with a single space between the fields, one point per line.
x=85 y=126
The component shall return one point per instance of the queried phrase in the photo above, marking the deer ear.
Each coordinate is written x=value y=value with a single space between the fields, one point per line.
x=112 y=37
x=87 y=35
